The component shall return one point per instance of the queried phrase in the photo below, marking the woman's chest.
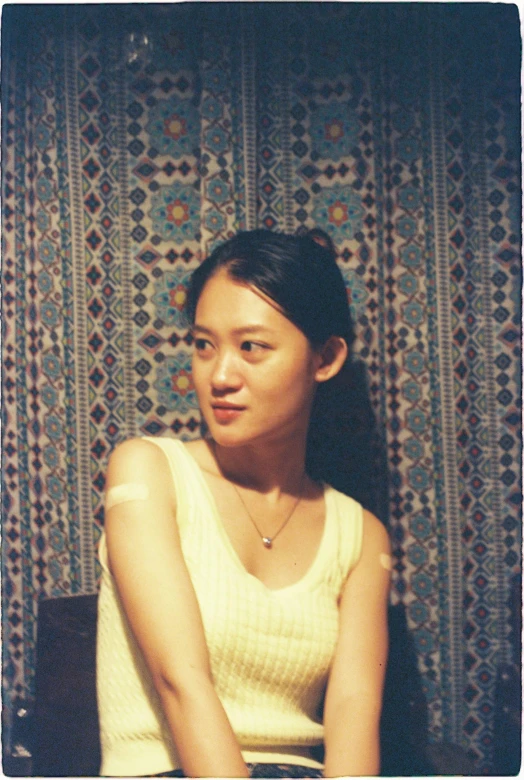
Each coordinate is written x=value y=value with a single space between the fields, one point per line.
x=251 y=627
x=275 y=544
x=248 y=624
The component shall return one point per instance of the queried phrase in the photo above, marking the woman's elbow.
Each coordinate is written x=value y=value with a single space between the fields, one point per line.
x=182 y=685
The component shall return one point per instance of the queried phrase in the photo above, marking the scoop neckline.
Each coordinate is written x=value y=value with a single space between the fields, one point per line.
x=308 y=578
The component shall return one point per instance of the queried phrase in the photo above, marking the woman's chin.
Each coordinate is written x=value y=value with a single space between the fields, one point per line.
x=227 y=438
x=231 y=435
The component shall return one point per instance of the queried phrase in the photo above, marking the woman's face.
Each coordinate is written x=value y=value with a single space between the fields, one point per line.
x=254 y=371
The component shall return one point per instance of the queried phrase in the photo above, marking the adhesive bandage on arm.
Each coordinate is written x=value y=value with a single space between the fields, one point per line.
x=128 y=492
x=385 y=561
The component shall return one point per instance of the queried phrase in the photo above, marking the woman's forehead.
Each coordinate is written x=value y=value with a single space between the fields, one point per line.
x=224 y=286
x=240 y=304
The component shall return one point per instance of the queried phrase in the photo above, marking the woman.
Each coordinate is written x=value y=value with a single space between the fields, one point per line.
x=235 y=587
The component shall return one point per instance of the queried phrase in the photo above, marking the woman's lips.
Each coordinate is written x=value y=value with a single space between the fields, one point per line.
x=226 y=412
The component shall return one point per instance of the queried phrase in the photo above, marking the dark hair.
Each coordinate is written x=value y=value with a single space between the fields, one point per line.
x=301 y=275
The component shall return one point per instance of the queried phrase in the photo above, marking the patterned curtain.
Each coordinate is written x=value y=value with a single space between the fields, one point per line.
x=135 y=138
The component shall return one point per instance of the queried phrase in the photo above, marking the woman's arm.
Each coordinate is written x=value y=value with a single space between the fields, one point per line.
x=151 y=576
x=354 y=695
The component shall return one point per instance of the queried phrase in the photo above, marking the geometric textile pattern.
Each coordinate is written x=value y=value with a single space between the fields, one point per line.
x=135 y=139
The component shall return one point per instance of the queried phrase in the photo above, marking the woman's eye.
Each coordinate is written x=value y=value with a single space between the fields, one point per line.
x=201 y=344
x=252 y=346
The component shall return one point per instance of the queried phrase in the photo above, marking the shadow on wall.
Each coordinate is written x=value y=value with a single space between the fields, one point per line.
x=347 y=446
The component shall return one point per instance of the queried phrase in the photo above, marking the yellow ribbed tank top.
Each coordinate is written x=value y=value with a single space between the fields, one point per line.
x=270 y=650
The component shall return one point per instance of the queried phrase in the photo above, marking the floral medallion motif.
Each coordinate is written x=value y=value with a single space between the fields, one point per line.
x=413 y=449
x=418 y=612
x=170 y=296
x=417 y=554
x=411 y=255
x=411 y=391
x=403 y=120
x=408 y=149
x=408 y=284
x=42 y=76
x=42 y=136
x=44 y=188
x=327 y=56
x=413 y=313
x=418 y=478
x=406 y=227
x=420 y=526
x=44 y=282
x=414 y=362
x=47 y=252
x=409 y=197
x=217 y=190
x=334 y=130
x=55 y=488
x=51 y=366
x=357 y=291
x=416 y=420
x=214 y=221
x=38 y=104
x=171 y=52
x=175 y=212
x=339 y=211
x=424 y=641
x=422 y=585
x=211 y=108
x=173 y=125
x=49 y=314
x=51 y=457
x=174 y=384
x=216 y=80
x=53 y=427
x=49 y=395
x=216 y=140
x=56 y=539
x=42 y=220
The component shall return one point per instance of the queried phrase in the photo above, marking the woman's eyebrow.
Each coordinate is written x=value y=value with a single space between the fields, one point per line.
x=200 y=328
x=252 y=329
x=242 y=331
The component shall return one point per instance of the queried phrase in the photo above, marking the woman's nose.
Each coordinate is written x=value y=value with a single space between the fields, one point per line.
x=225 y=373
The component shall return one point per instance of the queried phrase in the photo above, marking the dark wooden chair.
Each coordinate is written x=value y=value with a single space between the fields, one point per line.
x=65 y=733
x=404 y=722
x=66 y=738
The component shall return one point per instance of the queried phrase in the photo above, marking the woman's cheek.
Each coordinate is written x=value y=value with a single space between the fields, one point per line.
x=198 y=375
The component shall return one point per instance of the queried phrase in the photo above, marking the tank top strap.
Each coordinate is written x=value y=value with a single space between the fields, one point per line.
x=182 y=467
x=346 y=539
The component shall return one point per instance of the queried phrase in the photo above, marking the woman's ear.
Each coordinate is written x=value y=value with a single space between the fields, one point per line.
x=332 y=357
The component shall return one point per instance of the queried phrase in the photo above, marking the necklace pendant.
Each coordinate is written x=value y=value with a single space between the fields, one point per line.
x=267 y=542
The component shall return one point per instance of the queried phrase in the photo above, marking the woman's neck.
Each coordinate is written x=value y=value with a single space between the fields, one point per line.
x=271 y=469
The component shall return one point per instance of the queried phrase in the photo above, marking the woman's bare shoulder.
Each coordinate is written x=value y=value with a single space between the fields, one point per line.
x=136 y=456
x=375 y=532
x=134 y=445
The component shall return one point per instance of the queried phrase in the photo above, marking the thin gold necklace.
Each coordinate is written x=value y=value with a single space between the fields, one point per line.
x=267 y=541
